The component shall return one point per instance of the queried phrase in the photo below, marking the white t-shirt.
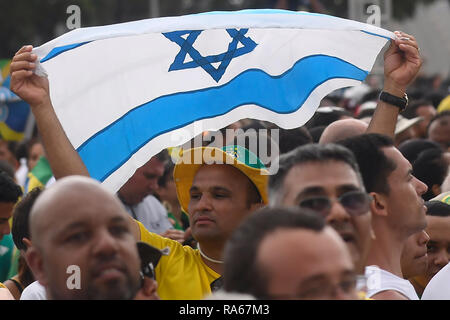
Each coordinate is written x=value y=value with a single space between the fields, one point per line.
x=21 y=173
x=439 y=286
x=152 y=214
x=379 y=280
x=35 y=291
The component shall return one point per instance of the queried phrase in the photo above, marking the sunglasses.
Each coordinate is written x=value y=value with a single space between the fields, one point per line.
x=355 y=203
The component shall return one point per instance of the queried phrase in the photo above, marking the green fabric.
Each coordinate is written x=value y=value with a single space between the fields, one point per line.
x=6 y=251
x=42 y=171
x=244 y=156
x=177 y=225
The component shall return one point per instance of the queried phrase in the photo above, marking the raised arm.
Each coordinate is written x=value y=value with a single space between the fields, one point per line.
x=402 y=63
x=63 y=158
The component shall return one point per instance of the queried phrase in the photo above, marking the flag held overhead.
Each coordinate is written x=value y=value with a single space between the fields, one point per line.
x=123 y=92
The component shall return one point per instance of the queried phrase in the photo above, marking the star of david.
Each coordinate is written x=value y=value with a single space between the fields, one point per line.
x=206 y=62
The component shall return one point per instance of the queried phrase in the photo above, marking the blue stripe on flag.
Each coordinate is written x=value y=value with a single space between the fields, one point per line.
x=107 y=150
x=18 y=115
x=58 y=50
x=375 y=34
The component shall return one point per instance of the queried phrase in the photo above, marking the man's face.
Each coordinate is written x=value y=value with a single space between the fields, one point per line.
x=304 y=264
x=218 y=202
x=6 y=209
x=414 y=259
x=332 y=179
x=143 y=182
x=405 y=205
x=168 y=192
x=404 y=135
x=5 y=154
x=439 y=132
x=36 y=151
x=427 y=112
x=94 y=235
x=439 y=245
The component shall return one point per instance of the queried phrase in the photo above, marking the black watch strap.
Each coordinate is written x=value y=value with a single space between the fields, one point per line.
x=400 y=102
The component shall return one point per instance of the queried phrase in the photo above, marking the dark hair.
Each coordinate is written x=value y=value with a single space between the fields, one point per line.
x=241 y=271
x=22 y=150
x=411 y=111
x=9 y=190
x=163 y=155
x=372 y=95
x=437 y=208
x=316 y=133
x=374 y=165
x=325 y=118
x=31 y=143
x=254 y=124
x=168 y=173
x=366 y=113
x=430 y=168
x=435 y=98
x=7 y=168
x=411 y=149
x=293 y=138
x=11 y=146
x=306 y=154
x=438 y=116
x=20 y=227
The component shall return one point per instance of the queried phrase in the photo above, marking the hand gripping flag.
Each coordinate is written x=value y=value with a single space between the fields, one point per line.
x=124 y=92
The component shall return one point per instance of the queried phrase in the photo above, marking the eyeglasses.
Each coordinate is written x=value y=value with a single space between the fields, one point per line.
x=355 y=203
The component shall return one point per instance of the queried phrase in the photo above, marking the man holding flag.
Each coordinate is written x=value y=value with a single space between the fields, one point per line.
x=218 y=196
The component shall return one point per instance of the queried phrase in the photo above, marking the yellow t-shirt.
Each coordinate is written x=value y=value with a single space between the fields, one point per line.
x=2 y=285
x=181 y=275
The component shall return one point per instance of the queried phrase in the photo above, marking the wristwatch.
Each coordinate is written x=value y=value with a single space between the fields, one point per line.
x=400 y=102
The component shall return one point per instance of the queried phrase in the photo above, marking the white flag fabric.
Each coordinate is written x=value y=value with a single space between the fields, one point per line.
x=124 y=92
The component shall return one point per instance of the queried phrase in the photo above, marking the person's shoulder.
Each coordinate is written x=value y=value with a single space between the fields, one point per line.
x=35 y=291
x=5 y=294
x=155 y=239
x=389 y=295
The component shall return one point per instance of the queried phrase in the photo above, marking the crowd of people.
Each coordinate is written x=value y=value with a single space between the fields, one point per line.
x=359 y=207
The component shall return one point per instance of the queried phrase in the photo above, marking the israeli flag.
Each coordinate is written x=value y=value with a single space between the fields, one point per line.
x=124 y=92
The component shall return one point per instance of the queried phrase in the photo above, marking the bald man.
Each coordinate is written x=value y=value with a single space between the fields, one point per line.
x=81 y=230
x=342 y=129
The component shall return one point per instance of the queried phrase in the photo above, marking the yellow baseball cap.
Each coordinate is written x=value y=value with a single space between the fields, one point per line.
x=237 y=156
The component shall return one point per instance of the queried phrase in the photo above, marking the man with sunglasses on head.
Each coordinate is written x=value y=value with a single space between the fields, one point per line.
x=326 y=179
x=397 y=208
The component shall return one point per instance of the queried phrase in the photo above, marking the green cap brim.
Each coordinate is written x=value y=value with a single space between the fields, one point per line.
x=192 y=159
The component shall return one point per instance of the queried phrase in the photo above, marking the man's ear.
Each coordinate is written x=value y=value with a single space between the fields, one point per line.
x=436 y=189
x=256 y=206
x=378 y=205
x=27 y=242
x=35 y=262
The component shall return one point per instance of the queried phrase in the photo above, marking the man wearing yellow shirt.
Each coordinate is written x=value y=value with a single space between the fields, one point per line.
x=217 y=198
